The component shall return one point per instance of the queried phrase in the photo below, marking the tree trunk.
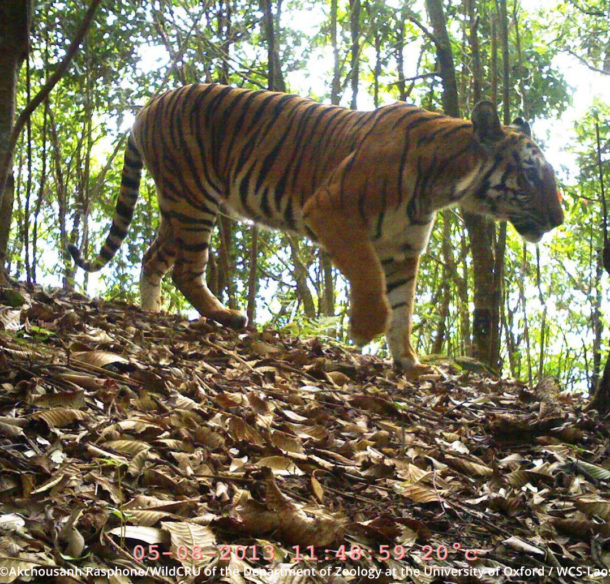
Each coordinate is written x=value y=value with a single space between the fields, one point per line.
x=28 y=190
x=601 y=399
x=253 y=276
x=355 y=35
x=481 y=235
x=336 y=82
x=400 y=57
x=15 y=21
x=451 y=107
x=300 y=274
x=221 y=268
x=448 y=265
x=487 y=256
x=463 y=296
x=523 y=300
x=6 y=210
x=275 y=78
x=275 y=82
x=41 y=186
x=327 y=307
x=58 y=169
x=224 y=24
x=327 y=299
x=226 y=261
x=444 y=57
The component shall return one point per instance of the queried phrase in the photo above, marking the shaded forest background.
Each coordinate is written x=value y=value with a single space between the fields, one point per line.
x=526 y=311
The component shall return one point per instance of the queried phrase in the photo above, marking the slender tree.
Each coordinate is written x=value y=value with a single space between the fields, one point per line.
x=15 y=23
x=601 y=398
x=355 y=51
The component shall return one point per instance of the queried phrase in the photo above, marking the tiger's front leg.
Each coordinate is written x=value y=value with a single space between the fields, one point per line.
x=401 y=280
x=345 y=237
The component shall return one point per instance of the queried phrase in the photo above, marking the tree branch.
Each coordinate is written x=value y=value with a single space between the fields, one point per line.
x=423 y=28
x=44 y=92
x=586 y=63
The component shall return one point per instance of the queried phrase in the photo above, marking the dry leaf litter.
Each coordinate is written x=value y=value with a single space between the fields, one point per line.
x=147 y=448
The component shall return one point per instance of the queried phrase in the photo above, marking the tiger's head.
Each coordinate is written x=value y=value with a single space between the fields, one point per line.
x=515 y=182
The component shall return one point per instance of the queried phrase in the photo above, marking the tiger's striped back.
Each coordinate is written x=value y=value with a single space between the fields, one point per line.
x=263 y=153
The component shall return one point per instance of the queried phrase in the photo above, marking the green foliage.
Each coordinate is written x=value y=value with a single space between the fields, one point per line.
x=66 y=178
x=323 y=328
x=582 y=29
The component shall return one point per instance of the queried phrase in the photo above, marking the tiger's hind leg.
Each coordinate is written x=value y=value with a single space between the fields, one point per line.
x=157 y=261
x=192 y=239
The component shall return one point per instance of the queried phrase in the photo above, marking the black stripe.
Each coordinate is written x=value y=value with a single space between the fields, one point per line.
x=165 y=254
x=124 y=211
x=169 y=117
x=212 y=106
x=246 y=153
x=264 y=204
x=391 y=286
x=289 y=214
x=268 y=161
x=221 y=123
x=237 y=130
x=424 y=119
x=107 y=254
x=117 y=231
x=331 y=139
x=196 y=275
x=410 y=111
x=130 y=183
x=362 y=199
x=345 y=175
x=189 y=219
x=381 y=215
x=296 y=153
x=379 y=116
x=306 y=136
x=256 y=116
x=401 y=169
x=184 y=193
x=134 y=163
x=189 y=158
x=244 y=191
x=310 y=234
x=213 y=125
x=193 y=247
x=281 y=101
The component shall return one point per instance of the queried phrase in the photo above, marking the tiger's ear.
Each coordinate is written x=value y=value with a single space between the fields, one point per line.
x=486 y=124
x=522 y=126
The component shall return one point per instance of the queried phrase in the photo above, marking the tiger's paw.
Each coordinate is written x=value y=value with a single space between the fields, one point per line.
x=230 y=318
x=368 y=318
x=413 y=369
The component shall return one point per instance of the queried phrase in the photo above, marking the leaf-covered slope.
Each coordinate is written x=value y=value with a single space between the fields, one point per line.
x=173 y=451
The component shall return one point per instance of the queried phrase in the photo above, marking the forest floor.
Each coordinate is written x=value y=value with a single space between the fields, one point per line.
x=146 y=448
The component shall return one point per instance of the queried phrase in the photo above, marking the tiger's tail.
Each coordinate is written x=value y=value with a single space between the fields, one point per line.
x=126 y=202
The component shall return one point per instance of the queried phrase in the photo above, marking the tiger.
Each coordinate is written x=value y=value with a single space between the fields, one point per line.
x=363 y=185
